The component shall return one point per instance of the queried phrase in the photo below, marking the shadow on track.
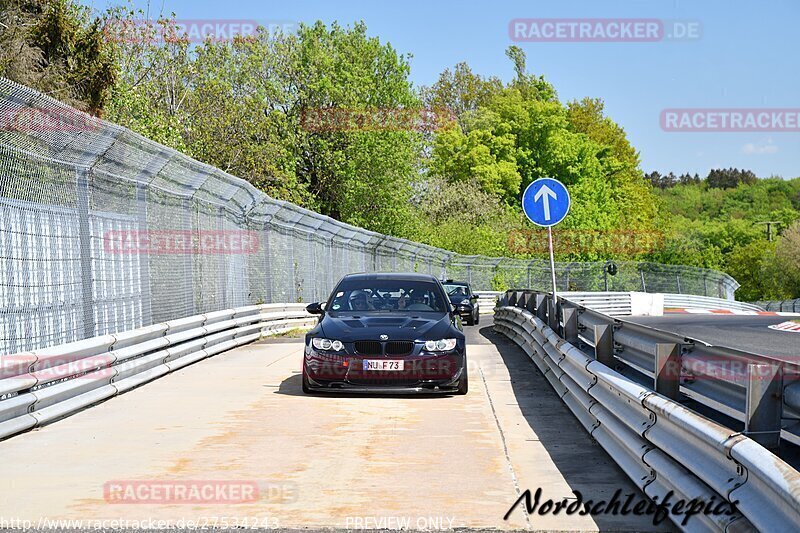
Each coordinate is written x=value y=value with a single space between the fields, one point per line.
x=292 y=386
x=586 y=467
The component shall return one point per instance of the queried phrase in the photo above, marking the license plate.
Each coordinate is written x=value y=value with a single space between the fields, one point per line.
x=383 y=364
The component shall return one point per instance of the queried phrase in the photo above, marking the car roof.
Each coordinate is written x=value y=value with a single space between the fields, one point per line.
x=406 y=276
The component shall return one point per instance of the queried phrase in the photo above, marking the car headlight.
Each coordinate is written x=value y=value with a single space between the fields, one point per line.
x=327 y=344
x=442 y=345
x=465 y=303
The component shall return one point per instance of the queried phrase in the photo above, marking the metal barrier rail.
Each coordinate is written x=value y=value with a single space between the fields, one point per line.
x=610 y=303
x=45 y=385
x=661 y=445
x=487 y=300
x=706 y=302
x=761 y=392
x=785 y=306
x=632 y=303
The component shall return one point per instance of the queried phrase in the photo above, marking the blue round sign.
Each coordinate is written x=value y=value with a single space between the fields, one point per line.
x=546 y=202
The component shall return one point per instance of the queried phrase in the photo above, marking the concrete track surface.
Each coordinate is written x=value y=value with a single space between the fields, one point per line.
x=326 y=461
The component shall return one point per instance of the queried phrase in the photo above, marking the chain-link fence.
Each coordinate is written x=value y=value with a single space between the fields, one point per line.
x=104 y=230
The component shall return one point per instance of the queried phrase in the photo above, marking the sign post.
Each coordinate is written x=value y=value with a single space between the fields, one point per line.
x=546 y=202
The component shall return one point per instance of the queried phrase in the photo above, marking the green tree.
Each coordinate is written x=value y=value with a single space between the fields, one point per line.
x=787 y=262
x=58 y=48
x=754 y=266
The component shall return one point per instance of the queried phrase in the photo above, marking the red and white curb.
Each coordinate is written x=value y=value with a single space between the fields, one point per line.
x=786 y=326
x=697 y=311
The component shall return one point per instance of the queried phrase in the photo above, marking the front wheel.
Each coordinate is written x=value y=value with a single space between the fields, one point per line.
x=478 y=318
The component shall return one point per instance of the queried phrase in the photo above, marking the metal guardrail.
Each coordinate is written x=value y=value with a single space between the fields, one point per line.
x=785 y=306
x=661 y=445
x=688 y=301
x=629 y=303
x=610 y=303
x=487 y=300
x=761 y=392
x=45 y=385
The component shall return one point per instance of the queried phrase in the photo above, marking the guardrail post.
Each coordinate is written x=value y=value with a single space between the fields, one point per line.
x=764 y=404
x=532 y=303
x=668 y=370
x=541 y=306
x=604 y=344
x=552 y=314
x=570 y=316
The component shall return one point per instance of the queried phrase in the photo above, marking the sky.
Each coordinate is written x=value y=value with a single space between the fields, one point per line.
x=740 y=55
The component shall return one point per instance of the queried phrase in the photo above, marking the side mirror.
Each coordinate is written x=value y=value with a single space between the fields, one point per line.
x=315 y=308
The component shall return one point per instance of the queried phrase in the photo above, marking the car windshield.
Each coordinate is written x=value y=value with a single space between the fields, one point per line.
x=361 y=295
x=458 y=291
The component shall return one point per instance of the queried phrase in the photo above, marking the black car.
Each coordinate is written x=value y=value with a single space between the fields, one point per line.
x=465 y=301
x=386 y=333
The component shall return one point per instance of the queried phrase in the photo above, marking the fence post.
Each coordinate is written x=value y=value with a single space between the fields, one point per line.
x=144 y=259
x=668 y=370
x=85 y=253
x=763 y=407
x=604 y=344
x=222 y=274
x=641 y=274
x=188 y=258
x=267 y=264
x=529 y=277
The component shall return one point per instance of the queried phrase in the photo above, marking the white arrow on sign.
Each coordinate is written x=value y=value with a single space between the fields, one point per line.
x=545 y=193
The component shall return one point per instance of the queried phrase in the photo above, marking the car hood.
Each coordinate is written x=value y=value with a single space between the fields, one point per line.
x=398 y=326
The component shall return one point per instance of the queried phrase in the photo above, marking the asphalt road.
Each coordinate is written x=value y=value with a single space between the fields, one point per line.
x=743 y=332
x=323 y=461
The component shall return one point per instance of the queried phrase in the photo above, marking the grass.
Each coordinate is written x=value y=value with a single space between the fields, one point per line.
x=294 y=333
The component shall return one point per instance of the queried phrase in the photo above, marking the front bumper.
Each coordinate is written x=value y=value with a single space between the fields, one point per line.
x=424 y=388
x=421 y=373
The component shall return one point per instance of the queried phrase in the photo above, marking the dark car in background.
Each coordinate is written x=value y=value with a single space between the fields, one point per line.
x=464 y=300
x=386 y=333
